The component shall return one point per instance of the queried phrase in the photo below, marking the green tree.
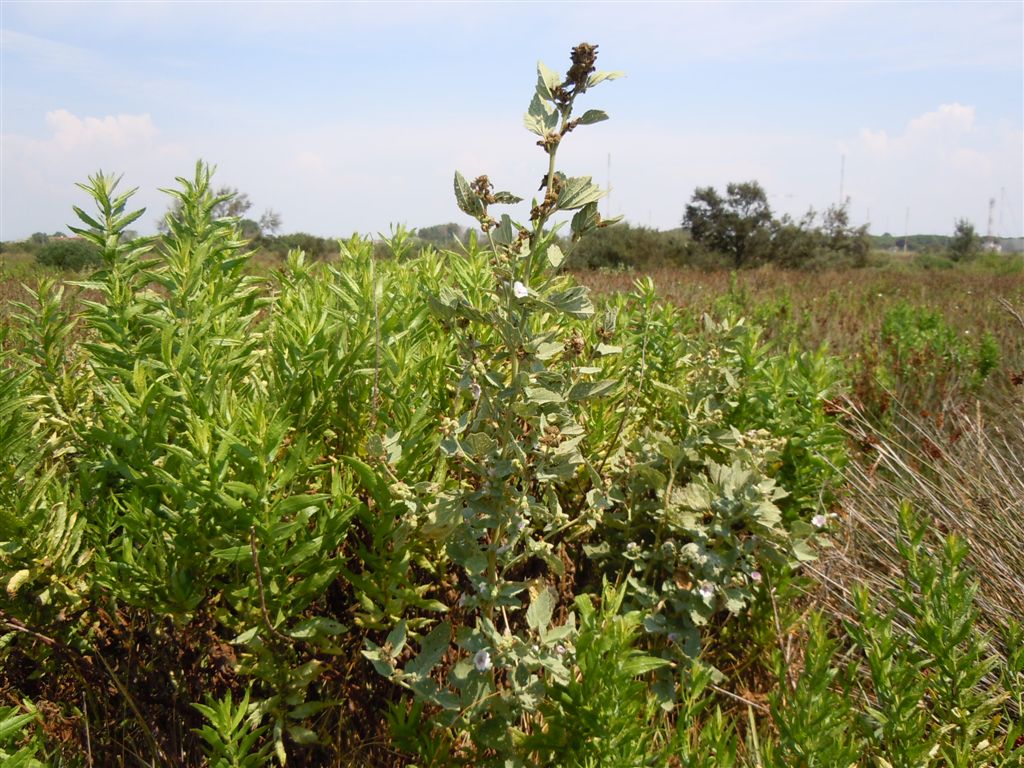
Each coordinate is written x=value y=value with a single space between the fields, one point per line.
x=738 y=225
x=270 y=222
x=844 y=242
x=965 y=243
x=443 y=234
x=231 y=203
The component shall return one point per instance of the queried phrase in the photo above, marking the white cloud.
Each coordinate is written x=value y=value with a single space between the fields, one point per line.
x=116 y=131
x=37 y=182
x=943 y=165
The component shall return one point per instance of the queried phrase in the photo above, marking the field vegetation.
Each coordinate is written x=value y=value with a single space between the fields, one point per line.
x=403 y=504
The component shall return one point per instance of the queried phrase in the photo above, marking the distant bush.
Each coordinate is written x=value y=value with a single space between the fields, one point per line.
x=628 y=246
x=69 y=254
x=933 y=260
x=314 y=247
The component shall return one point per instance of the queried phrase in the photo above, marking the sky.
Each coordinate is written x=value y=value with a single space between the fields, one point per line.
x=353 y=117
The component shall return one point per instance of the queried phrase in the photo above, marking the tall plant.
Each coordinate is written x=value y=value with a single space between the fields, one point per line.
x=513 y=441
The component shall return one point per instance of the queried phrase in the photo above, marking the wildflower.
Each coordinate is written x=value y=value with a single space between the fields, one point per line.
x=819 y=520
x=519 y=290
x=707 y=590
x=755 y=576
x=482 y=660
x=475 y=391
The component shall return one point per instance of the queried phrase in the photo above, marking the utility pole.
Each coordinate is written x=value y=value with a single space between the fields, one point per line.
x=989 y=234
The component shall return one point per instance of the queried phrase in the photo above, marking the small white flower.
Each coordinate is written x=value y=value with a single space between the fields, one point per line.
x=519 y=290
x=559 y=649
x=482 y=660
x=819 y=520
x=707 y=590
x=755 y=576
x=475 y=391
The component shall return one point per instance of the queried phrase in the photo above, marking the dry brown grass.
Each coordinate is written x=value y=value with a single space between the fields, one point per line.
x=963 y=474
x=840 y=307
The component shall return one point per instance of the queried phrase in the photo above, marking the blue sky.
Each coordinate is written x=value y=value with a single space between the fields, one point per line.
x=348 y=117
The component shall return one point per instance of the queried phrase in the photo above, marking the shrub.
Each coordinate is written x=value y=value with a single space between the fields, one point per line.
x=627 y=246
x=70 y=254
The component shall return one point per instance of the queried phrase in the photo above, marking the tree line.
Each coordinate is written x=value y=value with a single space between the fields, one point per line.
x=732 y=229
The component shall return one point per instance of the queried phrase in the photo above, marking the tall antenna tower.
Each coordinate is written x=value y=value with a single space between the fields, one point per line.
x=990 y=237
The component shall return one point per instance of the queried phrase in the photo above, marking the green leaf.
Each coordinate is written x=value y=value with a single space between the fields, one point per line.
x=377 y=486
x=317 y=626
x=547 y=81
x=585 y=390
x=506 y=198
x=600 y=77
x=246 y=636
x=803 y=551
x=292 y=504
x=548 y=349
x=432 y=649
x=396 y=638
x=541 y=609
x=555 y=256
x=540 y=396
x=593 y=116
x=479 y=444
x=577 y=192
x=503 y=234
x=541 y=118
x=302 y=735
x=467 y=200
x=233 y=554
x=584 y=220
x=640 y=665
x=17 y=581
x=573 y=301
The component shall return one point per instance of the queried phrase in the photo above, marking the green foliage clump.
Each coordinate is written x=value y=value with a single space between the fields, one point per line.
x=919 y=347
x=21 y=742
x=314 y=247
x=625 y=246
x=740 y=227
x=69 y=254
x=965 y=244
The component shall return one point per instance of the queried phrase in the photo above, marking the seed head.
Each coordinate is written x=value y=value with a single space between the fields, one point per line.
x=584 y=56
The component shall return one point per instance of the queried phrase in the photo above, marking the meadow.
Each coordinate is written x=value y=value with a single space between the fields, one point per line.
x=465 y=508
